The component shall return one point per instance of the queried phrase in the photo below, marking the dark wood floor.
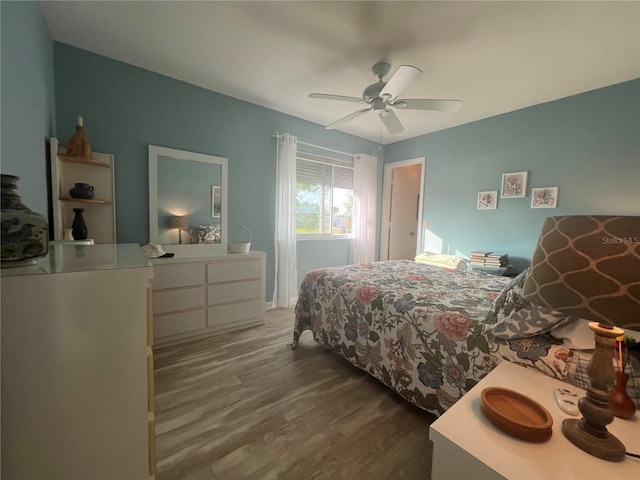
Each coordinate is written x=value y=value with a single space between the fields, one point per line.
x=243 y=406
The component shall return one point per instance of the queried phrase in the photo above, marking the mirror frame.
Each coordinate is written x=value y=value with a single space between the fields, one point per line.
x=189 y=249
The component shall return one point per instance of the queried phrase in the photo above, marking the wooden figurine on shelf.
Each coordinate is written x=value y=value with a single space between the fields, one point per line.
x=79 y=145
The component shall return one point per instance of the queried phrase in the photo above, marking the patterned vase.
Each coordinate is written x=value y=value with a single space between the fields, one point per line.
x=25 y=234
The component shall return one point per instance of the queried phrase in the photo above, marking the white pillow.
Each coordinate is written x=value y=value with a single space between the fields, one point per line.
x=576 y=335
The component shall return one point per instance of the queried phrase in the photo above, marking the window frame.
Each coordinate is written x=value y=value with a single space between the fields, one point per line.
x=333 y=162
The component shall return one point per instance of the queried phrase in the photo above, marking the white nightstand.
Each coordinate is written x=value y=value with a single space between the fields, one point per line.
x=467 y=446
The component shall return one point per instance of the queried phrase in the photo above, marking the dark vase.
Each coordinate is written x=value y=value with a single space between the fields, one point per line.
x=25 y=234
x=78 y=227
x=82 y=190
x=621 y=403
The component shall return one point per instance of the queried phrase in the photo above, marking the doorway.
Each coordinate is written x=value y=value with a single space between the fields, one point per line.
x=402 y=209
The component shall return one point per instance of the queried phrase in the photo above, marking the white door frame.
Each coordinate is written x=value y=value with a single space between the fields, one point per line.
x=386 y=204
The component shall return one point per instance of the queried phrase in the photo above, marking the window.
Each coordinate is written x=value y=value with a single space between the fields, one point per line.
x=324 y=196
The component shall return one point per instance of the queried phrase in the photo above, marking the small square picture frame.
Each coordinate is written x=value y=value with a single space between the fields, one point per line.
x=487 y=200
x=544 y=197
x=514 y=185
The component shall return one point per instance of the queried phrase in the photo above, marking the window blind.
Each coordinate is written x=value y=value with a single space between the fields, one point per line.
x=317 y=173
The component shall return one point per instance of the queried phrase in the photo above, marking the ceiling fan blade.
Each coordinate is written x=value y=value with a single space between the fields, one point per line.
x=428 y=104
x=399 y=81
x=328 y=96
x=346 y=119
x=391 y=121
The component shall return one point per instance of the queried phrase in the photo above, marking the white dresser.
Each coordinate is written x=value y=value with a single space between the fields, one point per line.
x=195 y=297
x=77 y=379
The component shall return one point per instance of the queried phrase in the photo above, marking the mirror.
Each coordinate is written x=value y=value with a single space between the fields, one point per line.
x=187 y=202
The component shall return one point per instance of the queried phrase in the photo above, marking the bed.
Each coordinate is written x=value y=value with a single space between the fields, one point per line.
x=427 y=332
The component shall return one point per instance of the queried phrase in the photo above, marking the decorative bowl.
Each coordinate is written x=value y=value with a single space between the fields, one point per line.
x=516 y=414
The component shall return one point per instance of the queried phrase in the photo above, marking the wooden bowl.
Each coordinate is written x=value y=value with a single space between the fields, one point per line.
x=516 y=414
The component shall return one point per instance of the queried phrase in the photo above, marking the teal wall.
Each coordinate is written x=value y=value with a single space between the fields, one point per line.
x=27 y=98
x=588 y=145
x=126 y=108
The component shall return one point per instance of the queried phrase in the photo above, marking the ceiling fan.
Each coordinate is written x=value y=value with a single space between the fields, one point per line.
x=382 y=95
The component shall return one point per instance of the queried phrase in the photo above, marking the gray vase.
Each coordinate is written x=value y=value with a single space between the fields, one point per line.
x=25 y=234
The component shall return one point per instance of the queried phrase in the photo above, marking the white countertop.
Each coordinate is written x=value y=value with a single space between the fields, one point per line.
x=181 y=257
x=81 y=258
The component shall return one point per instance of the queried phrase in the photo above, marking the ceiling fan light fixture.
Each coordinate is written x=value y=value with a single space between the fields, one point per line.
x=379 y=106
x=382 y=95
x=372 y=91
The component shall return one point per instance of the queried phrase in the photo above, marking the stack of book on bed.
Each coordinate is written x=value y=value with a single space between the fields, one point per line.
x=483 y=259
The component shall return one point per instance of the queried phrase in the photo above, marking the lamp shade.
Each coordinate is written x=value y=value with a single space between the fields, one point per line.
x=588 y=267
x=179 y=221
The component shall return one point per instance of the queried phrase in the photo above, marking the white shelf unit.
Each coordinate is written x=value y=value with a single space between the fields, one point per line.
x=99 y=212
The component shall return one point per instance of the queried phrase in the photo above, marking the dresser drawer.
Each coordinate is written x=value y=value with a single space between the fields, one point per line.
x=232 y=292
x=167 y=325
x=232 y=312
x=232 y=271
x=180 y=299
x=200 y=296
x=171 y=276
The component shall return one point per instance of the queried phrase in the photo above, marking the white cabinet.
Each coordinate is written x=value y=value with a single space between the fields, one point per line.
x=203 y=296
x=100 y=211
x=77 y=371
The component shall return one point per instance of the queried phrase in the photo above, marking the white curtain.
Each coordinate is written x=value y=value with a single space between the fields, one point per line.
x=286 y=270
x=365 y=185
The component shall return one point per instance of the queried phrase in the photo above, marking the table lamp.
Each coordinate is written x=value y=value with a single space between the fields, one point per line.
x=589 y=267
x=181 y=222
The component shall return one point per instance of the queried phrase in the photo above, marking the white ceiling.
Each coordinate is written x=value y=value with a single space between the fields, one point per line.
x=495 y=56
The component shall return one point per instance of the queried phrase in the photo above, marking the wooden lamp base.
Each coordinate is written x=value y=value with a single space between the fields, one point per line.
x=590 y=433
x=607 y=448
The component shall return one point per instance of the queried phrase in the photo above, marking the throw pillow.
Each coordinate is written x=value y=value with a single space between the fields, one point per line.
x=508 y=301
x=512 y=317
x=209 y=234
x=528 y=321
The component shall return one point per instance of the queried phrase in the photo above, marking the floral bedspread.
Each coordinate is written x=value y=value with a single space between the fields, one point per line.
x=417 y=328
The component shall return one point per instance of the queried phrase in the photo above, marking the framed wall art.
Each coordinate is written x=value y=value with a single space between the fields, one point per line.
x=216 y=201
x=544 y=197
x=514 y=185
x=488 y=200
